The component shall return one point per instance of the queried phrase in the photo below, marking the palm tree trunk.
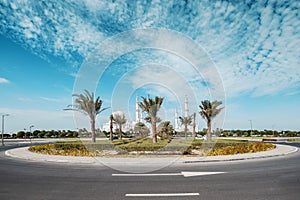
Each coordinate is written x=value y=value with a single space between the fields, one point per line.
x=194 y=126
x=185 y=131
x=209 y=131
x=120 y=131
x=111 y=130
x=93 y=131
x=154 y=135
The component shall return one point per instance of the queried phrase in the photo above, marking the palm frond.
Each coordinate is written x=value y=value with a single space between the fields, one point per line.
x=151 y=106
x=85 y=103
x=209 y=110
x=186 y=120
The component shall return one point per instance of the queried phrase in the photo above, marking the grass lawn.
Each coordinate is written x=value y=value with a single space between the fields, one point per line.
x=294 y=139
x=145 y=146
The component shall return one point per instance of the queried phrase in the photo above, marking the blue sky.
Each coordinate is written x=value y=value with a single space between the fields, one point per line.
x=248 y=58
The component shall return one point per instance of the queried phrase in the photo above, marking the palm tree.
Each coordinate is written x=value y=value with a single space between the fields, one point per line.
x=85 y=104
x=164 y=128
x=151 y=107
x=194 y=125
x=186 y=121
x=209 y=110
x=111 y=126
x=120 y=119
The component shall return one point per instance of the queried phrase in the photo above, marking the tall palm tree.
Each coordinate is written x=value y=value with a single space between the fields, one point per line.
x=111 y=126
x=209 y=110
x=85 y=104
x=120 y=119
x=164 y=128
x=186 y=121
x=151 y=107
x=194 y=125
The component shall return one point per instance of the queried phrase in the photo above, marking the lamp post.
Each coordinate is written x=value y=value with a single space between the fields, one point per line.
x=3 y=115
x=30 y=131
x=251 y=127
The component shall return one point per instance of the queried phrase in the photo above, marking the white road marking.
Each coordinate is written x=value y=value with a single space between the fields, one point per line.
x=185 y=174
x=190 y=174
x=163 y=195
x=167 y=174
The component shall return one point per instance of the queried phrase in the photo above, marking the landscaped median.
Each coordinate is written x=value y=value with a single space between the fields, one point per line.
x=146 y=147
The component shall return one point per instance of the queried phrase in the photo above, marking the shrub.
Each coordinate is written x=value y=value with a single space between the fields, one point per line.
x=250 y=147
x=78 y=148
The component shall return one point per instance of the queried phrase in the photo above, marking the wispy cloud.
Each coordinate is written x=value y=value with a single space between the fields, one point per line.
x=25 y=99
x=55 y=99
x=4 y=80
x=255 y=45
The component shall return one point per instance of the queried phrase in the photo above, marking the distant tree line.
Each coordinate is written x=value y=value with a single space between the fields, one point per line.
x=240 y=133
x=165 y=129
x=43 y=134
x=257 y=133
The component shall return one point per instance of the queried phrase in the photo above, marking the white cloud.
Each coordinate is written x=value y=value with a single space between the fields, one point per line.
x=4 y=80
x=25 y=99
x=55 y=99
x=161 y=79
x=255 y=45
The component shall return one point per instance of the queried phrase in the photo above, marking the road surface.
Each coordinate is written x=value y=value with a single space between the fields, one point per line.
x=270 y=178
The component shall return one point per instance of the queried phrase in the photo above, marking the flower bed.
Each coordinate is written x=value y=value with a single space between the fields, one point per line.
x=145 y=146
x=250 y=147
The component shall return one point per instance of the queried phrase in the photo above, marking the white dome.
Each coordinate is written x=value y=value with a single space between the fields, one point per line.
x=118 y=113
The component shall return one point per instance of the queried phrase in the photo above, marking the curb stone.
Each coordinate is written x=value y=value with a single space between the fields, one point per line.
x=24 y=153
x=293 y=150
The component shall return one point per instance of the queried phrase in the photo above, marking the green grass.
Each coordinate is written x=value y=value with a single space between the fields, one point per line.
x=294 y=140
x=146 y=146
x=143 y=145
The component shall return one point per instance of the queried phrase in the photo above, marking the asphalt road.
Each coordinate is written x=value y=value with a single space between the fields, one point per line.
x=270 y=178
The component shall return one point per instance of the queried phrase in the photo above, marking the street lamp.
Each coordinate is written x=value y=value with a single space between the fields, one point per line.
x=30 y=131
x=3 y=115
x=251 y=127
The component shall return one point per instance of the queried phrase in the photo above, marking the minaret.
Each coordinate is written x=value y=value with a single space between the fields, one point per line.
x=176 y=120
x=141 y=116
x=137 y=111
x=186 y=108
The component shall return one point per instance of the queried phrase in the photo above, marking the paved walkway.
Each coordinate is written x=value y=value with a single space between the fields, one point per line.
x=24 y=153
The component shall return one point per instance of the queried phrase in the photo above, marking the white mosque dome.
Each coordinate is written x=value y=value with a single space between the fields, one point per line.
x=118 y=113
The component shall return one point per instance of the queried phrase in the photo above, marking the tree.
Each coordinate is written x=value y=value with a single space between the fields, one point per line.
x=186 y=121
x=120 y=119
x=141 y=129
x=209 y=110
x=20 y=134
x=35 y=133
x=85 y=104
x=151 y=107
x=194 y=125
x=165 y=128
x=111 y=127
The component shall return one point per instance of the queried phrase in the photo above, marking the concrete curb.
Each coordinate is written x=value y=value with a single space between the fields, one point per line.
x=248 y=156
x=24 y=153
x=27 y=155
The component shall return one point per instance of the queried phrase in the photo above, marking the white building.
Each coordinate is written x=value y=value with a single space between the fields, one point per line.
x=179 y=127
x=128 y=126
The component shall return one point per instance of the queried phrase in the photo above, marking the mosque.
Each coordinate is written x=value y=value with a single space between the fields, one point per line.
x=129 y=126
x=179 y=127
